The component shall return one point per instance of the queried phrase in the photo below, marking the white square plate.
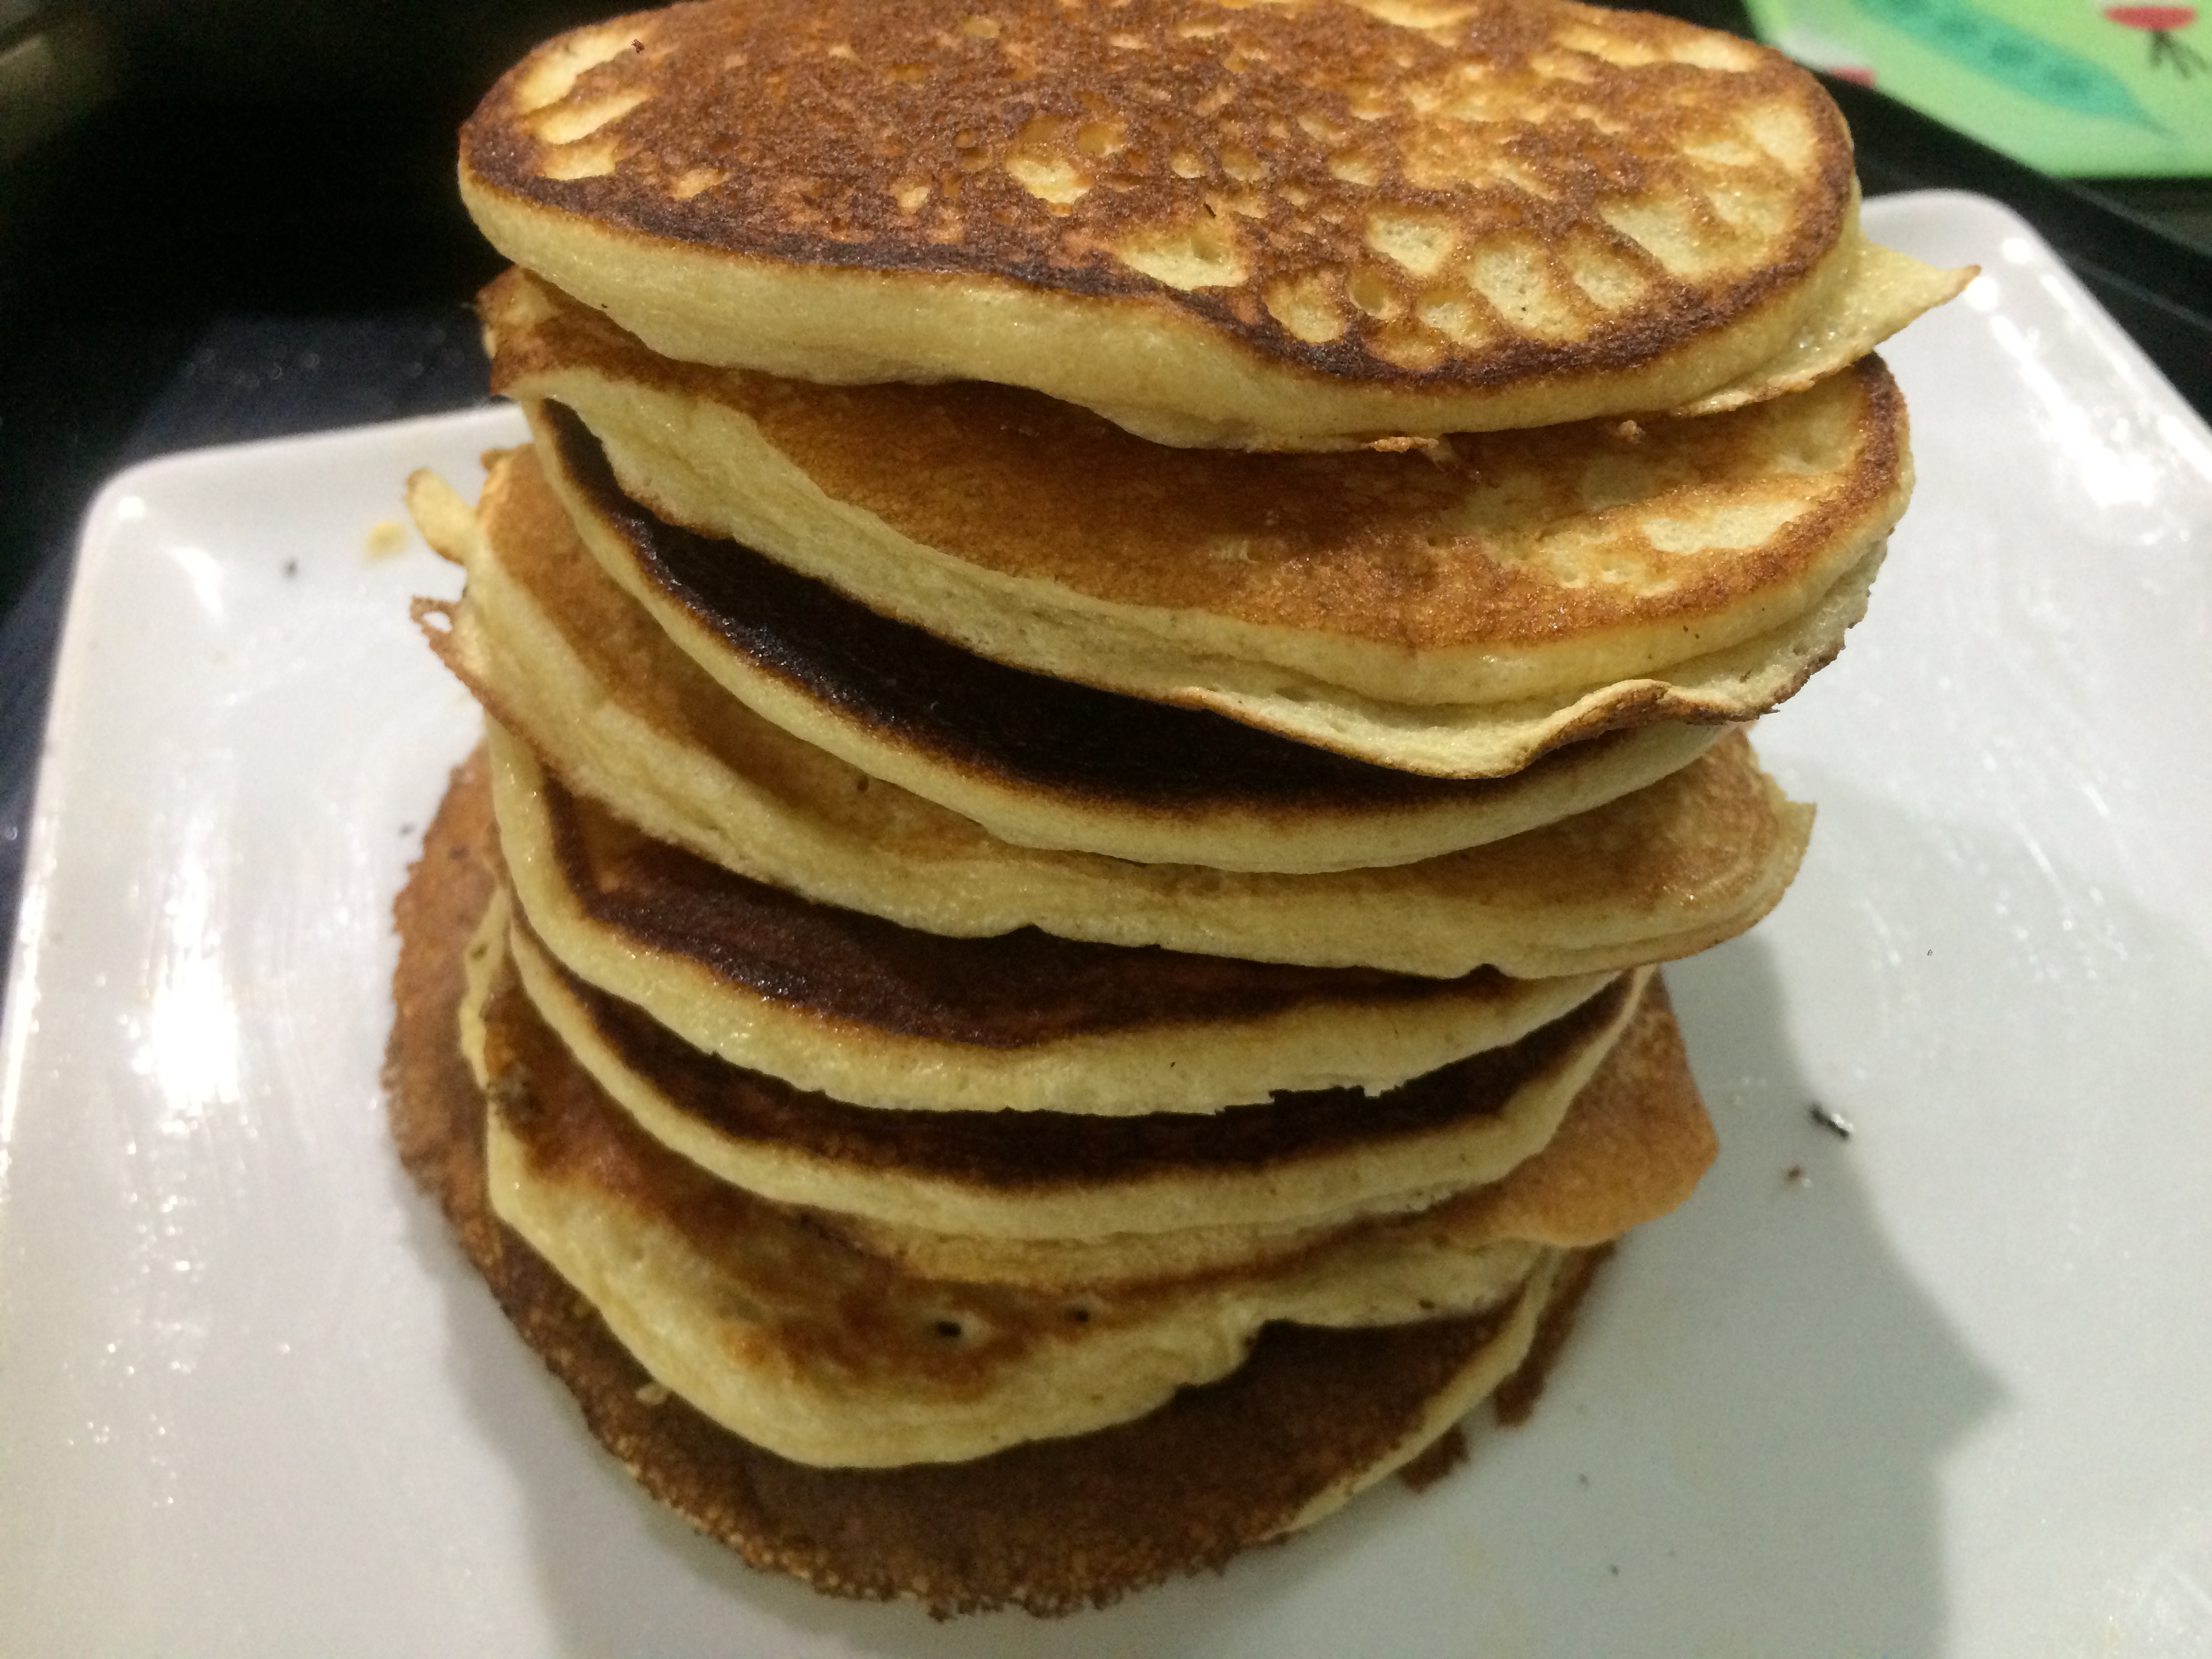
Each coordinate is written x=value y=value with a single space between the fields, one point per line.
x=1948 y=1391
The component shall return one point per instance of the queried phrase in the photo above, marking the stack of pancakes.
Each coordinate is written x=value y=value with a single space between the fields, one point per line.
x=1121 y=642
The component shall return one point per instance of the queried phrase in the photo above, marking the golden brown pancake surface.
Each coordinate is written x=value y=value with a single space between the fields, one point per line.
x=1412 y=216
x=1504 y=565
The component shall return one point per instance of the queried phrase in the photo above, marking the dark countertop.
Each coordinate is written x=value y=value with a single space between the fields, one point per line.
x=249 y=229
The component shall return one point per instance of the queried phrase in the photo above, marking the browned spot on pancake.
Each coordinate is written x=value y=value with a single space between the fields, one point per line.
x=985 y=718
x=1013 y=990
x=1515 y=1400
x=1050 y=1526
x=1037 y=1150
x=1446 y=1454
x=1225 y=165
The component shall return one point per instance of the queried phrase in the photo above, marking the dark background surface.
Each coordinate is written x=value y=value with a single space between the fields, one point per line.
x=231 y=219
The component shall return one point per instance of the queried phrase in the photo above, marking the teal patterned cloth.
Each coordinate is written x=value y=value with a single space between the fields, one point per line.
x=2068 y=86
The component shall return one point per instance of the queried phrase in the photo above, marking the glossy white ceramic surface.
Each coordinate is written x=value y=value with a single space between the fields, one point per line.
x=1939 y=1388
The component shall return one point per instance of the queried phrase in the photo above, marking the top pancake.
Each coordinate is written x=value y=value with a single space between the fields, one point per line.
x=1294 y=225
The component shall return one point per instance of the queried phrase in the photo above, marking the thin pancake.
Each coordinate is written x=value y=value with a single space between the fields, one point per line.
x=1687 y=862
x=1037 y=761
x=829 y=1353
x=1300 y=1159
x=1446 y=740
x=1499 y=567
x=879 y=1015
x=688 y=590
x=1294 y=224
x=1632 y=1145
x=1312 y=1416
x=825 y=1355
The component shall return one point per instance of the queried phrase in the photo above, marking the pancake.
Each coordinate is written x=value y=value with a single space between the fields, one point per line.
x=1498 y=568
x=1311 y=1418
x=1691 y=860
x=824 y=1355
x=689 y=589
x=1291 y=225
x=1638 y=1120
x=879 y=1015
x=1037 y=761
x=1318 y=1156
x=829 y=1354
